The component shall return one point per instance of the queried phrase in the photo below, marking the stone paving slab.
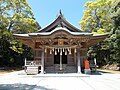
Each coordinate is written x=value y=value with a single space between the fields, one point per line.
x=20 y=81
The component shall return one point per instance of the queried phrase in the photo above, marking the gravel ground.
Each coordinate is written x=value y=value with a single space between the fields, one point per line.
x=97 y=81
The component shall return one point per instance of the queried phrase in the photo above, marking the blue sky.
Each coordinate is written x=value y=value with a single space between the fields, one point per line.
x=45 y=11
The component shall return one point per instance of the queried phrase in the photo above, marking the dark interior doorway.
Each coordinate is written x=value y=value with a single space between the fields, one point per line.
x=57 y=58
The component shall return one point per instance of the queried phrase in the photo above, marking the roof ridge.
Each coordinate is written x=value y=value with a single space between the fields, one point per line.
x=57 y=21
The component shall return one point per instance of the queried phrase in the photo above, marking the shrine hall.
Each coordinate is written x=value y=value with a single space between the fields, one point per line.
x=59 y=47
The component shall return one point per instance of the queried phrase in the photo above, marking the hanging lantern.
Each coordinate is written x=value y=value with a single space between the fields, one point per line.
x=70 y=51
x=65 y=52
x=75 y=50
x=45 y=50
x=55 y=52
x=60 y=51
x=50 y=51
x=63 y=49
x=53 y=49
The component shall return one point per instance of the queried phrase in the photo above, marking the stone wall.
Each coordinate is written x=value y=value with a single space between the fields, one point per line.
x=112 y=66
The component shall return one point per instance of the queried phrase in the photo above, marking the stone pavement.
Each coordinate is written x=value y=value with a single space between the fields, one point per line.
x=97 y=81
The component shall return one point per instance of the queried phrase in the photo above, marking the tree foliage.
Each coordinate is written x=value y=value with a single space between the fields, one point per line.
x=96 y=17
x=116 y=29
x=15 y=17
x=103 y=16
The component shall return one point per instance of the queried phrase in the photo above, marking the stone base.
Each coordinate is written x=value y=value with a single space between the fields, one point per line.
x=87 y=71
x=32 y=70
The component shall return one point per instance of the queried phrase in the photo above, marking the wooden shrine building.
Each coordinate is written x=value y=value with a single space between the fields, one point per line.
x=59 y=47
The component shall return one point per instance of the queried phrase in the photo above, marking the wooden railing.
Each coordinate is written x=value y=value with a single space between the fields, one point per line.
x=32 y=63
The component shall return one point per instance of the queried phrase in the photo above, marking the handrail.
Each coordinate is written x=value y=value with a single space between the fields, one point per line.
x=32 y=63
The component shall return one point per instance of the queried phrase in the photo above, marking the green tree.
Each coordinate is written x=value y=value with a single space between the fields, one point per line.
x=116 y=29
x=96 y=18
x=15 y=17
x=103 y=16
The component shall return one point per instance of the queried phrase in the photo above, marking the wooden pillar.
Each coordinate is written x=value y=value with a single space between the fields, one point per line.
x=60 y=59
x=78 y=61
x=75 y=59
x=42 y=62
x=60 y=62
